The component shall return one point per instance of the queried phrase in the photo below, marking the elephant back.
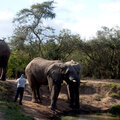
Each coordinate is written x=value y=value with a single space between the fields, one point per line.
x=38 y=67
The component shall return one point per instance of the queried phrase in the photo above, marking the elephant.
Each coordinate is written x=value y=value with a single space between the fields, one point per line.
x=4 y=57
x=78 y=69
x=42 y=72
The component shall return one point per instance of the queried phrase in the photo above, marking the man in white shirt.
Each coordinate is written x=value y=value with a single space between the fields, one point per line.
x=21 y=82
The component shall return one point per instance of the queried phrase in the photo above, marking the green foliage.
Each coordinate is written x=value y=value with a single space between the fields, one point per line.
x=115 y=110
x=30 y=29
x=17 y=63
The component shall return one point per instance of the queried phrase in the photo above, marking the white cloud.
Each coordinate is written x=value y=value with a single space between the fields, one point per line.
x=85 y=27
x=109 y=20
x=88 y=26
x=6 y=28
x=110 y=7
x=6 y=23
x=60 y=2
x=78 y=7
x=5 y=15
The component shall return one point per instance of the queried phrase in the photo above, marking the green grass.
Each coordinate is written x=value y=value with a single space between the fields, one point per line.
x=10 y=109
x=98 y=97
x=69 y=118
x=114 y=90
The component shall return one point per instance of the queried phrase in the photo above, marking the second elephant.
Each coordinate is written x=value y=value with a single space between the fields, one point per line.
x=40 y=71
x=78 y=68
x=4 y=57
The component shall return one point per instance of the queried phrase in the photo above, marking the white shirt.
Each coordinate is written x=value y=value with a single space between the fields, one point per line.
x=21 y=82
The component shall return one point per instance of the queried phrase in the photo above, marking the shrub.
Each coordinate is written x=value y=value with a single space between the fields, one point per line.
x=115 y=110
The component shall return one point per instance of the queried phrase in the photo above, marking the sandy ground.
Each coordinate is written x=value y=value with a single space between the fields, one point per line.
x=88 y=101
x=41 y=111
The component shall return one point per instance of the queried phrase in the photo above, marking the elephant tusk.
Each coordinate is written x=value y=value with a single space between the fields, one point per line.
x=74 y=81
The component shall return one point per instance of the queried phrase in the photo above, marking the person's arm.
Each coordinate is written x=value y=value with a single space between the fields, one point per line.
x=17 y=80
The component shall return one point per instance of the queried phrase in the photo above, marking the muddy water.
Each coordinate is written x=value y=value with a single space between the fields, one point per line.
x=90 y=117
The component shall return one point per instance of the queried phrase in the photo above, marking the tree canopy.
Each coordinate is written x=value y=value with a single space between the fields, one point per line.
x=99 y=56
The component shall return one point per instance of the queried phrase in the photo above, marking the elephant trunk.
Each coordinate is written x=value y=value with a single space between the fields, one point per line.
x=74 y=95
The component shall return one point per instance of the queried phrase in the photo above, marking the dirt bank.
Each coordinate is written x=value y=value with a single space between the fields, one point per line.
x=95 y=96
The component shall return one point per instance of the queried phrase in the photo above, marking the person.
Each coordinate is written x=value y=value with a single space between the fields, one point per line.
x=21 y=83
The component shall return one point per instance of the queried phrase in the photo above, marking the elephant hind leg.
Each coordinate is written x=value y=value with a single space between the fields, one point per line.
x=33 y=85
x=38 y=94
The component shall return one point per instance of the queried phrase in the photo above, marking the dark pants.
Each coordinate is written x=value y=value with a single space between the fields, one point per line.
x=19 y=91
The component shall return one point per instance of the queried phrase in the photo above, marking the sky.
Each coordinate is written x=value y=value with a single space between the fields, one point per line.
x=82 y=17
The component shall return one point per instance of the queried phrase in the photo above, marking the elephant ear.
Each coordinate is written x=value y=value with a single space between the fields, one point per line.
x=64 y=69
x=54 y=73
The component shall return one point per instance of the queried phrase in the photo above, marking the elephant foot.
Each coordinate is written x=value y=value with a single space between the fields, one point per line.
x=40 y=101
x=71 y=106
x=52 y=108
x=34 y=101
x=2 y=79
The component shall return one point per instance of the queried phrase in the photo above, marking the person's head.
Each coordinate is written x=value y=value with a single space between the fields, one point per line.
x=22 y=75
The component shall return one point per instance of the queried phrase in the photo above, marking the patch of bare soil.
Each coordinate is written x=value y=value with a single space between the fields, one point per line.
x=93 y=98
x=41 y=111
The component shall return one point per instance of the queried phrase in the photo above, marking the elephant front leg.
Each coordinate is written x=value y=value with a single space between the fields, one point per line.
x=3 y=74
x=54 y=95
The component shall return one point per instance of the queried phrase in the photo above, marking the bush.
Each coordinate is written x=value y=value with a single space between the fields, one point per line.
x=115 y=110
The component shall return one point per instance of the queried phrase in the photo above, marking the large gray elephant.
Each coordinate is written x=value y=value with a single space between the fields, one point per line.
x=78 y=68
x=40 y=71
x=4 y=56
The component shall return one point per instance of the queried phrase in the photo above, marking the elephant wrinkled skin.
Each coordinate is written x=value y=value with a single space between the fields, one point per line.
x=40 y=71
x=4 y=56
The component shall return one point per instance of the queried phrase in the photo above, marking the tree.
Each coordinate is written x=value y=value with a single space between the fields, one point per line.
x=102 y=54
x=67 y=43
x=29 y=22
